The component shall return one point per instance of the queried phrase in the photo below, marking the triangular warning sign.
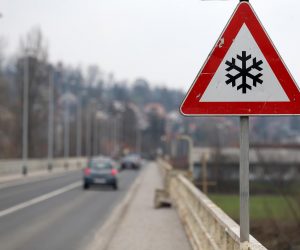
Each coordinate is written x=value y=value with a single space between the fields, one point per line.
x=243 y=75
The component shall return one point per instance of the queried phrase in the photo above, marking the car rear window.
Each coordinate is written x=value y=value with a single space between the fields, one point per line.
x=130 y=157
x=100 y=165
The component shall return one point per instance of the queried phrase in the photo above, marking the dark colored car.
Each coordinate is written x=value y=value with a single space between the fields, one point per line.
x=101 y=171
x=131 y=161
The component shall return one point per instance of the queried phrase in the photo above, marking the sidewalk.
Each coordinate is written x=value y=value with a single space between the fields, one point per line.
x=145 y=228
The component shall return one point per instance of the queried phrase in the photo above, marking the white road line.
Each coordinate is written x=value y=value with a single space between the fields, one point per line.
x=39 y=199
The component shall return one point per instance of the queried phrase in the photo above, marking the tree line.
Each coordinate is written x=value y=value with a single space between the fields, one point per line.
x=111 y=114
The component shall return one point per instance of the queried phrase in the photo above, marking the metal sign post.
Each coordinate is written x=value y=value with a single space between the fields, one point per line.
x=244 y=178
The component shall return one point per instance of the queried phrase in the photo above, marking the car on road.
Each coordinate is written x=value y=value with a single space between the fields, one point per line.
x=131 y=161
x=101 y=171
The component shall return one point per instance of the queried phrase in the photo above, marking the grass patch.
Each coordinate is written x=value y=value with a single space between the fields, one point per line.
x=261 y=206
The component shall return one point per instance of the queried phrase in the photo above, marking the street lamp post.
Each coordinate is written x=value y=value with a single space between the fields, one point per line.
x=79 y=130
x=98 y=117
x=112 y=133
x=89 y=125
x=95 y=134
x=115 y=134
x=25 y=116
x=66 y=100
x=167 y=147
x=138 y=140
x=67 y=133
x=87 y=132
x=107 y=136
x=50 y=121
x=190 y=154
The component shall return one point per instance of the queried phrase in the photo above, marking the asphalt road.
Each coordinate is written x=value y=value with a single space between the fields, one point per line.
x=56 y=214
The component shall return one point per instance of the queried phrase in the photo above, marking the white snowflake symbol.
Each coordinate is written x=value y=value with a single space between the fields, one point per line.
x=244 y=72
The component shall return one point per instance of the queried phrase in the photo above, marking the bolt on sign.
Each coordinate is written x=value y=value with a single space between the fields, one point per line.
x=244 y=74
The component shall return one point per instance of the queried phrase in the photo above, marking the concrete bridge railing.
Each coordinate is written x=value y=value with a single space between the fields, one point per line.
x=8 y=167
x=206 y=225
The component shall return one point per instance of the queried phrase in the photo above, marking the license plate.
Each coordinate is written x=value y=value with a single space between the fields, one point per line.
x=99 y=181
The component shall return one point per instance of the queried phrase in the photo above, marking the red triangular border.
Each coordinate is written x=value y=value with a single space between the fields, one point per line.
x=191 y=105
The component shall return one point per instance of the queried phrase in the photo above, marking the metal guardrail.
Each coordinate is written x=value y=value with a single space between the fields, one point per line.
x=206 y=225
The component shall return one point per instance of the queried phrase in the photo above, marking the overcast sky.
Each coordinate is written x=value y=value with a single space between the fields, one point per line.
x=164 y=41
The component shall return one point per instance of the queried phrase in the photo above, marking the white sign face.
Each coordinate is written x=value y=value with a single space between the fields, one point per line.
x=244 y=75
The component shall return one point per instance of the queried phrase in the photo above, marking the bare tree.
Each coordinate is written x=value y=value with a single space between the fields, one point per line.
x=34 y=45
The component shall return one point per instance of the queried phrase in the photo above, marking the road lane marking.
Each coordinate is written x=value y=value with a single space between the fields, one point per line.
x=39 y=199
